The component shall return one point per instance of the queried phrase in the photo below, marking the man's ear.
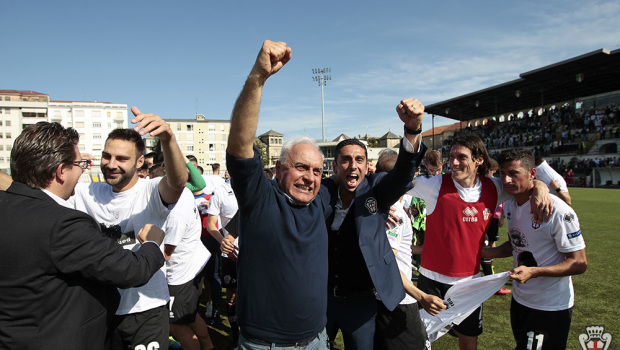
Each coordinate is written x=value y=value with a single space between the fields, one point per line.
x=140 y=162
x=334 y=167
x=59 y=174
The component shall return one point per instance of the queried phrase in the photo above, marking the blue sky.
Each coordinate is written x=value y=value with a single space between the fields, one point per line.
x=179 y=58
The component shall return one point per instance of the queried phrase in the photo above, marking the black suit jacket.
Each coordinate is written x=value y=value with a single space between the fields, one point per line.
x=58 y=273
x=373 y=198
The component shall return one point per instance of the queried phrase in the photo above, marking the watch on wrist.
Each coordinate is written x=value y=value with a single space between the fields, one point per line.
x=413 y=132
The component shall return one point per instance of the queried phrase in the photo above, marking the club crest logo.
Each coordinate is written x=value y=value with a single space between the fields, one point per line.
x=569 y=217
x=595 y=339
x=371 y=205
x=486 y=212
x=535 y=224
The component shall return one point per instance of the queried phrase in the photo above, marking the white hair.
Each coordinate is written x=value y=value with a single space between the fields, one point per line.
x=296 y=140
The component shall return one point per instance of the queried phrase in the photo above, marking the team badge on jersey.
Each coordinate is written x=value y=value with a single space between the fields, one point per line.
x=371 y=205
x=535 y=224
x=569 y=217
x=594 y=338
x=486 y=212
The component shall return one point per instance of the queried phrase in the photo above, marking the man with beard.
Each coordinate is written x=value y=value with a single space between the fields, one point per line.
x=124 y=204
x=58 y=286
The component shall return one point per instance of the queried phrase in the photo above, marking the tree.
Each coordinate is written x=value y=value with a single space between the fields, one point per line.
x=263 y=152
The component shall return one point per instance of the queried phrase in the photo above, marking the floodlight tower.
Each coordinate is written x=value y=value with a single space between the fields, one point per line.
x=321 y=76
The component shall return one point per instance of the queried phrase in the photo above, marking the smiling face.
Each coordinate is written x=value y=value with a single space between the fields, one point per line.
x=464 y=167
x=351 y=167
x=119 y=163
x=300 y=175
x=517 y=179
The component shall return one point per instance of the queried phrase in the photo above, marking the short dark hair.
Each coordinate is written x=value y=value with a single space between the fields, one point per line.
x=157 y=170
x=526 y=157
x=151 y=155
x=349 y=142
x=192 y=158
x=477 y=148
x=215 y=166
x=128 y=135
x=38 y=151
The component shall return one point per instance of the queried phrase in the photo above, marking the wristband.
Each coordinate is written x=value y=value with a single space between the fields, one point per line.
x=413 y=132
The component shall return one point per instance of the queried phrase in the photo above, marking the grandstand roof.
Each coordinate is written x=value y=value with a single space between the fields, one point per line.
x=590 y=74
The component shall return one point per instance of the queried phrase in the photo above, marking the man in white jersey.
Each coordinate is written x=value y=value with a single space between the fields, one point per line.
x=403 y=328
x=545 y=255
x=122 y=206
x=222 y=208
x=214 y=180
x=459 y=207
x=186 y=258
x=553 y=180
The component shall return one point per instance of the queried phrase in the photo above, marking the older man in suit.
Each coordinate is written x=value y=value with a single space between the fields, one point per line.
x=362 y=267
x=59 y=279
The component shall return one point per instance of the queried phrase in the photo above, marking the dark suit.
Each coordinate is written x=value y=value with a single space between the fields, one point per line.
x=361 y=261
x=59 y=273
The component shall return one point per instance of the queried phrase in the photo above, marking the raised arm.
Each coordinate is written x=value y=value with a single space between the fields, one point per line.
x=172 y=185
x=244 y=121
x=411 y=111
x=541 y=202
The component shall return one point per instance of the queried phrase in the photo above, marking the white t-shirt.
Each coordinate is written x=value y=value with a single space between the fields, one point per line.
x=212 y=182
x=183 y=228
x=546 y=174
x=223 y=203
x=401 y=238
x=122 y=215
x=428 y=189
x=547 y=243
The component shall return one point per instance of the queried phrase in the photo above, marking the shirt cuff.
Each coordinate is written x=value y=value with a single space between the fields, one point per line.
x=408 y=146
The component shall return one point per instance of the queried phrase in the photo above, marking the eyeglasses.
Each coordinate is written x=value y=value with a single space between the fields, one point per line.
x=84 y=163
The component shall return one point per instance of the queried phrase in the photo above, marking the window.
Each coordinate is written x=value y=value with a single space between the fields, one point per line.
x=0 y=110
x=190 y=127
x=7 y=123
x=79 y=125
x=109 y=125
x=190 y=137
x=81 y=148
x=8 y=135
x=1 y=159
x=97 y=136
x=119 y=115
x=119 y=125
x=212 y=157
x=211 y=127
x=7 y=98
x=96 y=147
x=1 y=136
x=0 y=122
x=211 y=147
x=223 y=148
x=78 y=113
x=1 y=147
x=178 y=127
x=190 y=148
x=222 y=128
x=9 y=147
x=96 y=125
x=96 y=114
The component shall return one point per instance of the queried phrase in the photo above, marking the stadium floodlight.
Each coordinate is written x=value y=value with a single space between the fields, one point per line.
x=322 y=75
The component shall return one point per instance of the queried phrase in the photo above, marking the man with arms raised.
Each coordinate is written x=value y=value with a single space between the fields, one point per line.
x=57 y=290
x=362 y=267
x=282 y=266
x=124 y=204
x=459 y=208
x=545 y=255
